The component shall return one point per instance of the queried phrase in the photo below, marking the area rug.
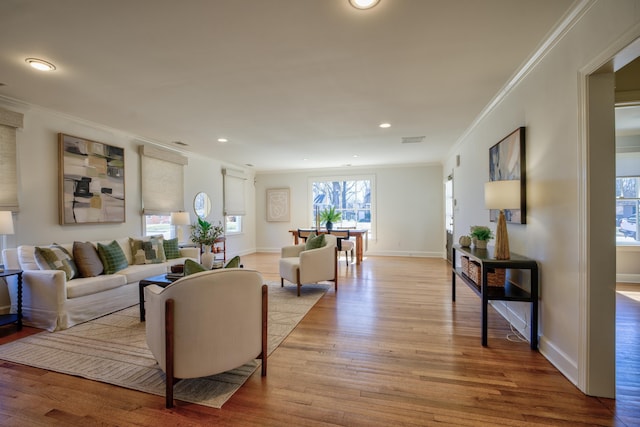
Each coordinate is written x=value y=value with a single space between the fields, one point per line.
x=113 y=350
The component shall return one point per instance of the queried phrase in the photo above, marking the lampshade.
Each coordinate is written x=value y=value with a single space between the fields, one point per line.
x=6 y=223
x=502 y=194
x=180 y=218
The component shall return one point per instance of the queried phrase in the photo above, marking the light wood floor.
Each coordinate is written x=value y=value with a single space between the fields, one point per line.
x=388 y=349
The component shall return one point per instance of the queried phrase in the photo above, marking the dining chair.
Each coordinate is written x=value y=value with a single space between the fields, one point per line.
x=344 y=244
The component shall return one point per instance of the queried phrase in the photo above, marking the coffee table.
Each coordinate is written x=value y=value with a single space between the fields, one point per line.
x=160 y=280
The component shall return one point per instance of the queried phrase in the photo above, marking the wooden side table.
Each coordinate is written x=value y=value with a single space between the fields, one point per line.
x=6 y=319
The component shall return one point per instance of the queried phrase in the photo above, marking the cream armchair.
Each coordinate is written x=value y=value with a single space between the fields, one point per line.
x=207 y=323
x=301 y=266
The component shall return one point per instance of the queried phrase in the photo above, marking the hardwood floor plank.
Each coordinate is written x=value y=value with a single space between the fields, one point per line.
x=389 y=348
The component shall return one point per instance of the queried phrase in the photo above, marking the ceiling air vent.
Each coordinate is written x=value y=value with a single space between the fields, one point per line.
x=412 y=139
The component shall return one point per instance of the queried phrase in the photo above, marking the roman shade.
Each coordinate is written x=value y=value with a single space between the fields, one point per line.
x=162 y=180
x=9 y=122
x=233 y=192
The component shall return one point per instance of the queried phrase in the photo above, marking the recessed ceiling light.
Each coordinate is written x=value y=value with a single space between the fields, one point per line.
x=385 y=125
x=40 y=64
x=355 y=156
x=223 y=140
x=363 y=4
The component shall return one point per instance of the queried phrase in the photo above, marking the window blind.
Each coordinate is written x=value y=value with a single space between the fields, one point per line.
x=162 y=181
x=233 y=192
x=9 y=122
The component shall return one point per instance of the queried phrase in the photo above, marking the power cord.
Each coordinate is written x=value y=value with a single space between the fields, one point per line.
x=515 y=335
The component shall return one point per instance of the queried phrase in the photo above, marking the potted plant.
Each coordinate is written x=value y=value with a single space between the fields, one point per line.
x=329 y=216
x=480 y=235
x=204 y=233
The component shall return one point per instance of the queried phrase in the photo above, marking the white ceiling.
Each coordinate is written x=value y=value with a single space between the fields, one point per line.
x=283 y=80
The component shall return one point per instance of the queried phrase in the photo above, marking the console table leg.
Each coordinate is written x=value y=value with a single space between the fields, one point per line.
x=485 y=304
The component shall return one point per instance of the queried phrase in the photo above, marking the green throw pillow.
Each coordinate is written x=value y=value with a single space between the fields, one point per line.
x=314 y=242
x=171 y=249
x=56 y=257
x=112 y=257
x=233 y=262
x=148 y=251
x=191 y=267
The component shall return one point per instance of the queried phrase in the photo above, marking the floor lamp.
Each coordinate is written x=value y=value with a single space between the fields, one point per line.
x=180 y=219
x=6 y=227
x=502 y=195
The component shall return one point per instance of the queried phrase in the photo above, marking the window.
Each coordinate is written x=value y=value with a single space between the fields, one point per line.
x=233 y=224
x=351 y=196
x=627 y=204
x=9 y=122
x=158 y=224
x=162 y=178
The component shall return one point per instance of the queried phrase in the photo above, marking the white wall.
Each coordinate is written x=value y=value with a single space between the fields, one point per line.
x=409 y=209
x=547 y=102
x=37 y=152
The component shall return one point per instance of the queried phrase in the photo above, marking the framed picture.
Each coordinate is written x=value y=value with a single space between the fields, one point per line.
x=507 y=162
x=278 y=204
x=91 y=181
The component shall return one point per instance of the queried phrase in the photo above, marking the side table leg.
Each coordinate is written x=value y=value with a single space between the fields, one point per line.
x=485 y=304
x=141 y=291
x=19 y=301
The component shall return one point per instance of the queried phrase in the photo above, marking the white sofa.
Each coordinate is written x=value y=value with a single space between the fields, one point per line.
x=52 y=302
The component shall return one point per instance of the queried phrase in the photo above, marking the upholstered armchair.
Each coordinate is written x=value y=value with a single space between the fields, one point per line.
x=207 y=323
x=300 y=265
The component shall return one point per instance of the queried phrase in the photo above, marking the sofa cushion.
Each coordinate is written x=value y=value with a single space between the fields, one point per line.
x=314 y=242
x=112 y=257
x=171 y=248
x=87 y=259
x=192 y=267
x=147 y=251
x=55 y=257
x=135 y=273
x=92 y=285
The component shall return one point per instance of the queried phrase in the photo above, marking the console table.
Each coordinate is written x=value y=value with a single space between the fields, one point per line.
x=508 y=292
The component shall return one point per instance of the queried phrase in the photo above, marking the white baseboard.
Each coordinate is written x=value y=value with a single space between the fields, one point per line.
x=628 y=278
x=568 y=367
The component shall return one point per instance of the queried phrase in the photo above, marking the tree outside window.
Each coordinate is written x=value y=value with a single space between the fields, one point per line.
x=351 y=197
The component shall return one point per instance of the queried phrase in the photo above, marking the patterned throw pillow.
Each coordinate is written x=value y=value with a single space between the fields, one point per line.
x=314 y=242
x=171 y=249
x=55 y=257
x=148 y=251
x=87 y=259
x=112 y=257
x=191 y=267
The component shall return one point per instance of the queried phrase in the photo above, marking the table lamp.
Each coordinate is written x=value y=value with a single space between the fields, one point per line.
x=502 y=195
x=178 y=219
x=6 y=227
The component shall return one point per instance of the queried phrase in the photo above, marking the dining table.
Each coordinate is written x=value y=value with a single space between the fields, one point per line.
x=361 y=235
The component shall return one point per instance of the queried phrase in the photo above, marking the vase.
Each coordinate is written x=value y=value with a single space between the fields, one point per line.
x=329 y=225
x=480 y=244
x=207 y=258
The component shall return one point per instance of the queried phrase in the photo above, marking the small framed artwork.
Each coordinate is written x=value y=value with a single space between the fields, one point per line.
x=278 y=204
x=91 y=181
x=507 y=162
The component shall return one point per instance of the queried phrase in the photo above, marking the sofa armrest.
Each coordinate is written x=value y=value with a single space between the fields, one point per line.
x=44 y=289
x=292 y=251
